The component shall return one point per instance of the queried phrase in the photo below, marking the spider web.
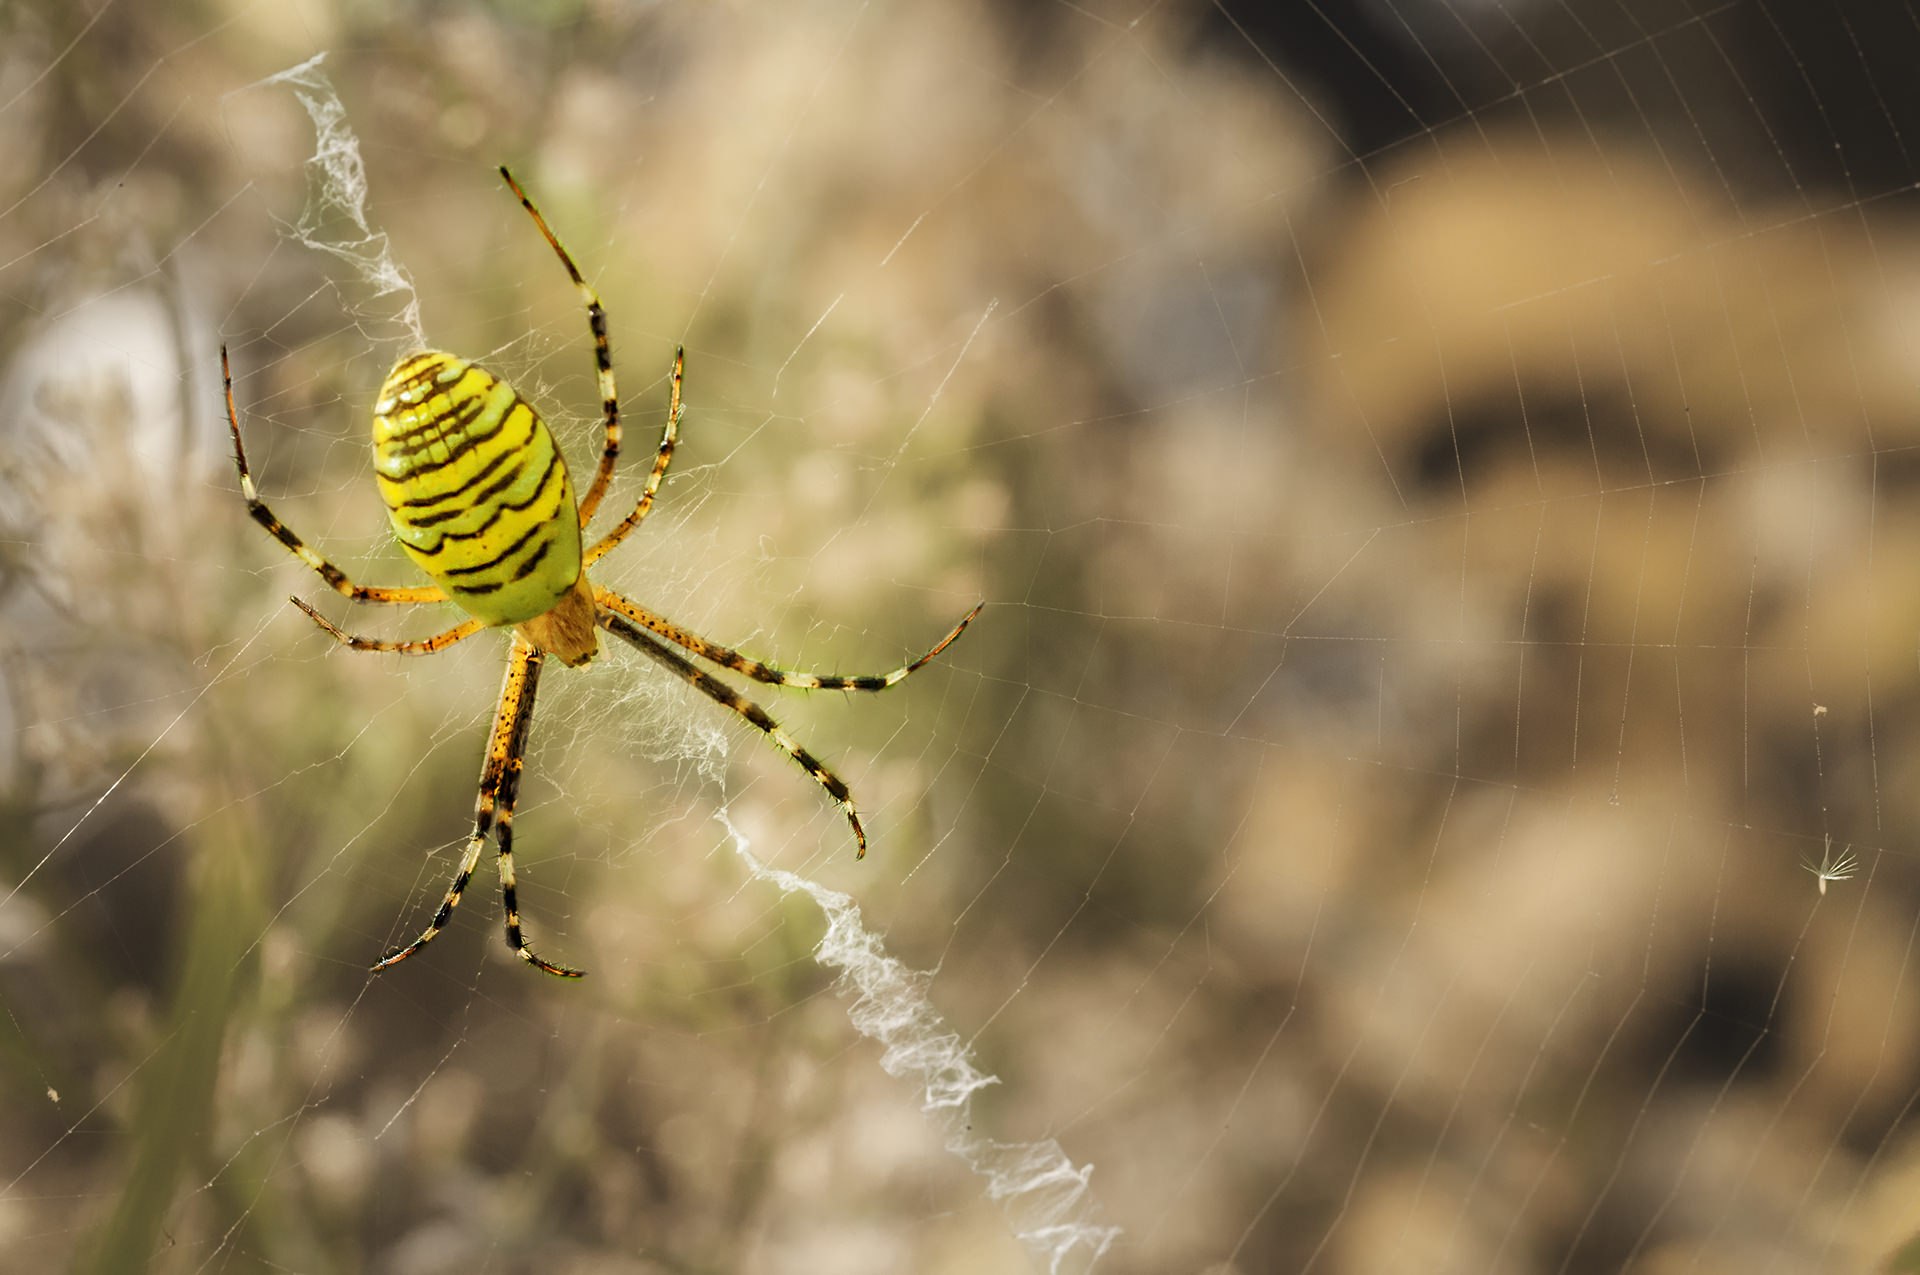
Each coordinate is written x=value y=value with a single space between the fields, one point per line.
x=1437 y=473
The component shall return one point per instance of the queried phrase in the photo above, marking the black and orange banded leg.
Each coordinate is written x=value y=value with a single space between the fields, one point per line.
x=662 y=458
x=602 y=355
x=336 y=579
x=420 y=646
x=493 y=811
x=720 y=693
x=727 y=657
x=503 y=821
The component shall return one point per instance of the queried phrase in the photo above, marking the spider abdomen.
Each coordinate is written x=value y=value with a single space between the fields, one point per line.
x=476 y=488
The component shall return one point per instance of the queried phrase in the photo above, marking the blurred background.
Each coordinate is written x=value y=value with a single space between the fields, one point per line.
x=1442 y=478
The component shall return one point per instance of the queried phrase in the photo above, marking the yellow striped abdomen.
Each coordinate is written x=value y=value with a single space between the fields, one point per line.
x=476 y=488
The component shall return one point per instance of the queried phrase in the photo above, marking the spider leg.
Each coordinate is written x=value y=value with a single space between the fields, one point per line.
x=257 y=508
x=668 y=437
x=720 y=693
x=527 y=657
x=602 y=355
x=424 y=646
x=493 y=810
x=726 y=657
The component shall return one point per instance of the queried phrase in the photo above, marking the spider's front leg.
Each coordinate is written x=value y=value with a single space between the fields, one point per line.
x=493 y=811
x=725 y=696
x=727 y=657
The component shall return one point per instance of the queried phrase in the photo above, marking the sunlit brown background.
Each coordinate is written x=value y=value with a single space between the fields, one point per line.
x=1441 y=477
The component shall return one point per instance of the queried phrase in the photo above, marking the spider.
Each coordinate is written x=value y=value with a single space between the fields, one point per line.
x=479 y=497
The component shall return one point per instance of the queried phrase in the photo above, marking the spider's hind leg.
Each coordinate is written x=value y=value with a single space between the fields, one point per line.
x=602 y=354
x=661 y=459
x=257 y=509
x=422 y=646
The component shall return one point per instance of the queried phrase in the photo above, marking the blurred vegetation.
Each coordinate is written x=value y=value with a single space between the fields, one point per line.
x=1448 y=564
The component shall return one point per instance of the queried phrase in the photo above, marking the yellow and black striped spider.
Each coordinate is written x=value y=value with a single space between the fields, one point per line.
x=479 y=497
